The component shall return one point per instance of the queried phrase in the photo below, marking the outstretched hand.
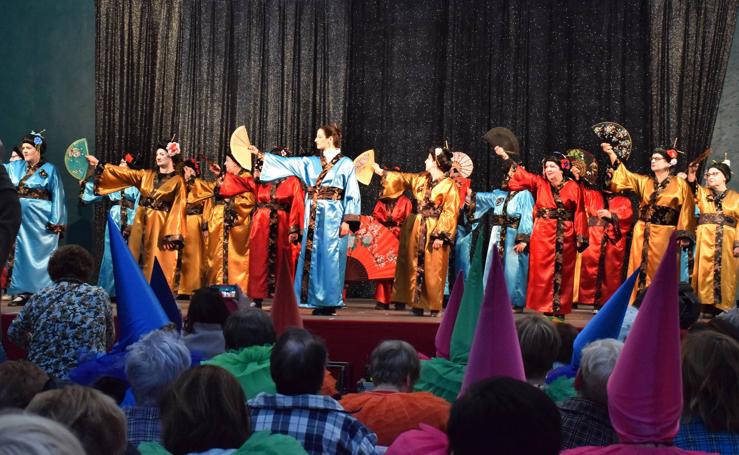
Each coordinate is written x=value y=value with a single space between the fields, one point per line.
x=501 y=152
x=92 y=160
x=377 y=169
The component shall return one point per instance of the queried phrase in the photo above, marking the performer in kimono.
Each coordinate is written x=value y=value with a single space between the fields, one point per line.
x=275 y=228
x=620 y=217
x=192 y=259
x=332 y=208
x=391 y=213
x=159 y=226
x=229 y=222
x=427 y=236
x=717 y=242
x=43 y=218
x=560 y=231
x=122 y=210
x=512 y=220
x=665 y=205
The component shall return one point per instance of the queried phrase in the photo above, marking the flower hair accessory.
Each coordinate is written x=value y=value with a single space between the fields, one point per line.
x=38 y=138
x=565 y=164
x=438 y=151
x=128 y=158
x=173 y=148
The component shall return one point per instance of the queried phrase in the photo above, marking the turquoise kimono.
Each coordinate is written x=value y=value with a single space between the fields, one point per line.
x=319 y=277
x=124 y=202
x=43 y=217
x=516 y=210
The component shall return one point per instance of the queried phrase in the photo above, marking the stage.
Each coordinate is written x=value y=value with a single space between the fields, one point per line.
x=350 y=335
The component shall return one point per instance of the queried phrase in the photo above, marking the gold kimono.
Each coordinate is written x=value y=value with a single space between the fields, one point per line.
x=715 y=269
x=193 y=263
x=159 y=218
x=229 y=222
x=420 y=273
x=663 y=208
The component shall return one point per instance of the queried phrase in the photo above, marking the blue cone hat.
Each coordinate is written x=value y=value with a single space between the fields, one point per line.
x=164 y=294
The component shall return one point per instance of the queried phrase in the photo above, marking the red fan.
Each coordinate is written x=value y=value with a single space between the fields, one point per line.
x=373 y=252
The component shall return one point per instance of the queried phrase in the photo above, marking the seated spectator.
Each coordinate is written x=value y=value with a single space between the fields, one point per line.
x=152 y=363
x=585 y=420
x=93 y=417
x=710 y=421
x=716 y=325
x=567 y=334
x=113 y=387
x=732 y=317
x=204 y=411
x=540 y=345
x=20 y=381
x=29 y=434
x=66 y=317
x=391 y=407
x=503 y=416
x=203 y=328
x=318 y=422
x=249 y=336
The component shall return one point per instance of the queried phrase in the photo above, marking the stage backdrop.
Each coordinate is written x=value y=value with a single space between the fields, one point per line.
x=400 y=76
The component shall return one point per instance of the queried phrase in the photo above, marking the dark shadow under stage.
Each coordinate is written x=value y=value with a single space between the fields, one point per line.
x=350 y=335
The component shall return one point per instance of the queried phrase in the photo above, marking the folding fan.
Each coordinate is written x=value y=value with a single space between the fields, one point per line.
x=462 y=163
x=373 y=252
x=240 y=147
x=74 y=159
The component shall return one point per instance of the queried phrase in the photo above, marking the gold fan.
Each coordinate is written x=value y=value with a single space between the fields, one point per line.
x=240 y=147
x=462 y=163
x=363 y=165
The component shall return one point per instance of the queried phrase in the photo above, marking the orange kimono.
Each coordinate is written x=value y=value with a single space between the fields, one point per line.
x=560 y=229
x=193 y=265
x=421 y=270
x=159 y=218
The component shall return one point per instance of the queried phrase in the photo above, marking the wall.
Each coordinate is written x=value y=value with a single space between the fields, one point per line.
x=47 y=82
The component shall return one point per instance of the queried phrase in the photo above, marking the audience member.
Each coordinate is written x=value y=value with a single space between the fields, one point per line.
x=318 y=422
x=392 y=407
x=249 y=337
x=504 y=416
x=20 y=381
x=732 y=317
x=717 y=325
x=93 y=417
x=152 y=363
x=585 y=420
x=710 y=365
x=203 y=328
x=540 y=343
x=66 y=317
x=28 y=434
x=567 y=334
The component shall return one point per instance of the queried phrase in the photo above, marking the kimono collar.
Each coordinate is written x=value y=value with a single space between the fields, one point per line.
x=330 y=154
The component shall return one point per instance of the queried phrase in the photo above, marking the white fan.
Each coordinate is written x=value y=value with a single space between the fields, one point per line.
x=462 y=163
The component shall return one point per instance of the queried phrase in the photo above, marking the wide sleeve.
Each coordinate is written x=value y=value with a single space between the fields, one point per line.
x=352 y=198
x=446 y=225
x=403 y=208
x=525 y=210
x=625 y=180
x=581 y=220
x=237 y=184
x=686 y=221
x=394 y=184
x=58 y=216
x=276 y=167
x=380 y=213
x=110 y=178
x=524 y=180
x=202 y=190
x=700 y=192
x=297 y=206
x=481 y=203
x=174 y=226
x=87 y=193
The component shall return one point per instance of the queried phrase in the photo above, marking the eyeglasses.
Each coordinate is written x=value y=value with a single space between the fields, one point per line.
x=712 y=174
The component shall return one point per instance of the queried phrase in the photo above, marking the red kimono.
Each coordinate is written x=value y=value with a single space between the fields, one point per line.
x=560 y=226
x=390 y=213
x=589 y=287
x=619 y=242
x=279 y=213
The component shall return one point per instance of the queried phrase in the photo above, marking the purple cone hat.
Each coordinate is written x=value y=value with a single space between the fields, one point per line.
x=444 y=334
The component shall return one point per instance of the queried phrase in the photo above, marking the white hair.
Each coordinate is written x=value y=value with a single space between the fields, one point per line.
x=27 y=434
x=598 y=360
x=153 y=362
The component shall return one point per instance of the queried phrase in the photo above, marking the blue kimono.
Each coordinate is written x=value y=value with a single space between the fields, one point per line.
x=43 y=217
x=515 y=210
x=319 y=278
x=126 y=200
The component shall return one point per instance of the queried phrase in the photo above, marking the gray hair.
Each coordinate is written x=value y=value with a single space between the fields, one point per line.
x=394 y=362
x=26 y=434
x=153 y=362
x=598 y=360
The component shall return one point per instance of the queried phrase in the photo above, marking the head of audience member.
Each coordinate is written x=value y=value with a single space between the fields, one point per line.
x=248 y=327
x=112 y=386
x=567 y=334
x=20 y=381
x=298 y=362
x=731 y=316
x=93 y=417
x=710 y=366
x=206 y=307
x=597 y=362
x=71 y=262
x=28 y=434
x=716 y=325
x=540 y=345
x=506 y=416
x=204 y=408
x=394 y=365
x=153 y=362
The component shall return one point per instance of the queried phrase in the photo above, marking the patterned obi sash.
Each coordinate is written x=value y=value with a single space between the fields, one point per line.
x=596 y=221
x=326 y=192
x=28 y=193
x=194 y=209
x=126 y=204
x=556 y=214
x=151 y=203
x=427 y=211
x=716 y=218
x=274 y=206
x=659 y=214
x=504 y=220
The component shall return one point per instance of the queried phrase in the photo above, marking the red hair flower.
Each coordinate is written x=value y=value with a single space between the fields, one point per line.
x=173 y=148
x=128 y=158
x=566 y=164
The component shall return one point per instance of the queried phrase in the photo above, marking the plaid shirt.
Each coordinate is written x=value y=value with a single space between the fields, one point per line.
x=143 y=424
x=318 y=422
x=585 y=423
x=693 y=435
